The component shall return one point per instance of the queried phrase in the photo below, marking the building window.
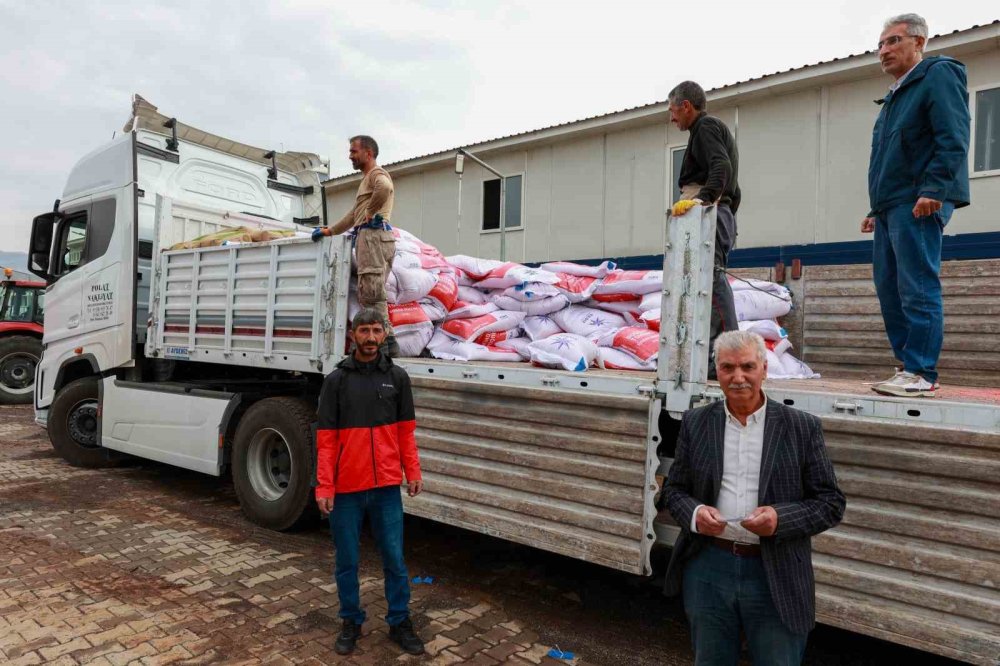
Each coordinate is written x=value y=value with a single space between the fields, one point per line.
x=986 y=152
x=512 y=206
x=676 y=161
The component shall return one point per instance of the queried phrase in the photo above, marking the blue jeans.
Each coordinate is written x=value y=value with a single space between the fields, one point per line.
x=906 y=261
x=724 y=593
x=384 y=507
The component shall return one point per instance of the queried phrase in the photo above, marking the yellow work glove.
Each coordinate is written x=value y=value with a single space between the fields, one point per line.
x=683 y=206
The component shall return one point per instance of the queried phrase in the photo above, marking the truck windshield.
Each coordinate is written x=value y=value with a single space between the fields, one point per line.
x=19 y=303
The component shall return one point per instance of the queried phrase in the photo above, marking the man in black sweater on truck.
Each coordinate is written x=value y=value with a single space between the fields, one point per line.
x=709 y=176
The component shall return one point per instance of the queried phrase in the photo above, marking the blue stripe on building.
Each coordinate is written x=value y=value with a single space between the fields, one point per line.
x=960 y=246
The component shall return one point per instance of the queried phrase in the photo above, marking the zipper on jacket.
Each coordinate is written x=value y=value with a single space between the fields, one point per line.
x=371 y=432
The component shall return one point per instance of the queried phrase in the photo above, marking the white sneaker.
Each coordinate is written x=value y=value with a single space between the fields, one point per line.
x=907 y=385
x=898 y=371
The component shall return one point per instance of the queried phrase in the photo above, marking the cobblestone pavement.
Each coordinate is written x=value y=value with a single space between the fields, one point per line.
x=147 y=564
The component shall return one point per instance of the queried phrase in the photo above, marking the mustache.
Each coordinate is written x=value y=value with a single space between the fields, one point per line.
x=741 y=385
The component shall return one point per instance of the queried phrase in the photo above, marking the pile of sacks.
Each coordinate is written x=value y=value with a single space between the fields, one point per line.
x=559 y=315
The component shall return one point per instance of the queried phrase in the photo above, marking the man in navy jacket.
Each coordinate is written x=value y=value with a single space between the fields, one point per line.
x=917 y=176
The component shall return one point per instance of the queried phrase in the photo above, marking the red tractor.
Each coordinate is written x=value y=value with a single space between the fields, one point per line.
x=21 y=318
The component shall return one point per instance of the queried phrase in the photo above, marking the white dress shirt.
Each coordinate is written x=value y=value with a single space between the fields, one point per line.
x=742 y=452
x=898 y=82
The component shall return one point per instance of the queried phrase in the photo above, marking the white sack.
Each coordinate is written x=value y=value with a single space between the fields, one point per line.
x=566 y=351
x=471 y=295
x=412 y=327
x=640 y=343
x=616 y=359
x=540 y=327
x=765 y=328
x=433 y=309
x=407 y=285
x=621 y=307
x=426 y=262
x=588 y=322
x=651 y=318
x=540 y=307
x=531 y=291
x=651 y=301
x=741 y=284
x=753 y=304
x=520 y=345
x=569 y=268
x=786 y=366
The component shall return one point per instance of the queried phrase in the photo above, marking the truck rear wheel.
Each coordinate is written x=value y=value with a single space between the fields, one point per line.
x=19 y=355
x=72 y=425
x=272 y=462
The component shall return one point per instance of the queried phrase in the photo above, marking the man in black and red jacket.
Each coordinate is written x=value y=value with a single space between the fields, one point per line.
x=364 y=445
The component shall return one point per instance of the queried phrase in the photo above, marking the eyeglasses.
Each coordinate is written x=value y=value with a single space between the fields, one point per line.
x=891 y=41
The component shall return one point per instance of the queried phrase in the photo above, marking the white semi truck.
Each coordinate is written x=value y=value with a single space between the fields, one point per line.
x=211 y=359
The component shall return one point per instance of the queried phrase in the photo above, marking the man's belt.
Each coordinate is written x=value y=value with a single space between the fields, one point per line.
x=737 y=548
x=376 y=223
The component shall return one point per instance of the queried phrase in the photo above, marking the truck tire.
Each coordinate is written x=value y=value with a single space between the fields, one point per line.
x=73 y=422
x=272 y=462
x=19 y=356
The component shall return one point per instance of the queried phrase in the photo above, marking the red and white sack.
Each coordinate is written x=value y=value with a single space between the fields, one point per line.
x=543 y=306
x=630 y=306
x=651 y=318
x=471 y=295
x=640 y=344
x=540 y=327
x=475 y=268
x=569 y=268
x=412 y=327
x=471 y=328
x=433 y=309
x=427 y=262
x=463 y=278
x=520 y=345
x=779 y=347
x=494 y=337
x=588 y=322
x=445 y=347
x=615 y=359
x=576 y=288
x=565 y=350
x=531 y=291
x=407 y=242
x=631 y=282
x=510 y=274
x=651 y=301
x=407 y=285
x=765 y=328
x=752 y=305
x=463 y=310
x=445 y=292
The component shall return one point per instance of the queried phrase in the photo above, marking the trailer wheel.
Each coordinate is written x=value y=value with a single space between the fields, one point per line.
x=272 y=462
x=73 y=425
x=19 y=355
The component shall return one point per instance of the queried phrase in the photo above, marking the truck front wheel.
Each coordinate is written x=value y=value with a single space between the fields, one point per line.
x=272 y=462
x=19 y=355
x=73 y=423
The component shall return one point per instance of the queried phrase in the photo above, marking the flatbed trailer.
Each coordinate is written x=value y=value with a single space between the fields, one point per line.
x=225 y=375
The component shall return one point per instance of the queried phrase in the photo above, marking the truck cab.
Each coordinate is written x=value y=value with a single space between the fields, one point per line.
x=21 y=315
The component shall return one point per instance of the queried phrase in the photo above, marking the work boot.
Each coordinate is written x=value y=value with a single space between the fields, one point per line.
x=350 y=632
x=402 y=634
x=390 y=347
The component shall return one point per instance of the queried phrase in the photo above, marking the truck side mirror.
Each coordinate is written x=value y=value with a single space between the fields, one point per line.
x=40 y=249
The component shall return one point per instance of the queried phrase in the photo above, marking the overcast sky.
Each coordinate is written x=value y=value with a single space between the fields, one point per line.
x=420 y=76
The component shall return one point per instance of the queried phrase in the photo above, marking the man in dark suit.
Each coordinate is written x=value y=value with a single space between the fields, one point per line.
x=751 y=482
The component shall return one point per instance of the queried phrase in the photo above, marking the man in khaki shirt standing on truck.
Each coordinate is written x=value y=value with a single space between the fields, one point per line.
x=368 y=224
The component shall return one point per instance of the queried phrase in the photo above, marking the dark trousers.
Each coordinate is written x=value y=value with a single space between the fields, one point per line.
x=384 y=508
x=723 y=308
x=724 y=593
x=906 y=264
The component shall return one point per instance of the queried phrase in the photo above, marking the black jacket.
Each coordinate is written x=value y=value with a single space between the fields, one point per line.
x=712 y=160
x=365 y=435
x=796 y=478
